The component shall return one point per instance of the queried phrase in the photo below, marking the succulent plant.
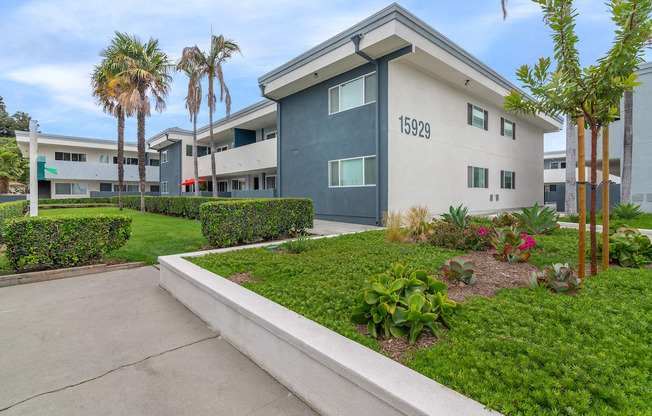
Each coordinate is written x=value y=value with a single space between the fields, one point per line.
x=627 y=211
x=456 y=216
x=536 y=221
x=629 y=248
x=460 y=270
x=403 y=301
x=558 y=277
x=507 y=242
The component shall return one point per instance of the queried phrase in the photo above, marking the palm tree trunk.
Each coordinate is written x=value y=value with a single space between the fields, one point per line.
x=194 y=154
x=628 y=139
x=141 y=151
x=210 y=123
x=594 y=179
x=121 y=153
x=571 y=172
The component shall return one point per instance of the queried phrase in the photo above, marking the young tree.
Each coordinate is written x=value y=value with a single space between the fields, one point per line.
x=628 y=139
x=210 y=65
x=571 y=173
x=593 y=92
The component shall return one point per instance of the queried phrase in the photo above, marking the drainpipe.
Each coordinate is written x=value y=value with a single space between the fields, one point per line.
x=278 y=140
x=356 y=42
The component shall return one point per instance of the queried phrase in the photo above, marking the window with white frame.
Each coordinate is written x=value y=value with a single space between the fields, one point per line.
x=507 y=179
x=238 y=184
x=66 y=188
x=554 y=165
x=70 y=157
x=164 y=187
x=271 y=135
x=351 y=94
x=478 y=177
x=104 y=158
x=358 y=171
x=270 y=181
x=508 y=128
x=164 y=157
x=477 y=117
x=219 y=149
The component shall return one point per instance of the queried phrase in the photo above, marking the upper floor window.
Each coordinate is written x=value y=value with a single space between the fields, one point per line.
x=164 y=157
x=74 y=157
x=554 y=165
x=507 y=128
x=507 y=179
x=153 y=162
x=126 y=160
x=104 y=158
x=201 y=150
x=221 y=149
x=478 y=177
x=351 y=94
x=358 y=171
x=477 y=117
x=270 y=135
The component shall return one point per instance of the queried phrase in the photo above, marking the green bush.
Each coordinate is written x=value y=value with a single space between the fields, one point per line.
x=9 y=210
x=448 y=235
x=75 y=201
x=182 y=206
x=64 y=241
x=227 y=223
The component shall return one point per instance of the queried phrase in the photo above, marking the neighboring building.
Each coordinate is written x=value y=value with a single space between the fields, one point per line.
x=86 y=167
x=390 y=114
x=245 y=158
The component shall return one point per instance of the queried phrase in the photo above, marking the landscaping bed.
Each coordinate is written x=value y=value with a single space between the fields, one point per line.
x=522 y=352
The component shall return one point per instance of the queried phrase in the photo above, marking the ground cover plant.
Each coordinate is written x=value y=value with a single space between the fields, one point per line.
x=521 y=353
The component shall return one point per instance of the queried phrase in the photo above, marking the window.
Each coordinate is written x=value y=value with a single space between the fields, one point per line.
x=70 y=188
x=554 y=165
x=105 y=187
x=359 y=171
x=221 y=186
x=238 y=184
x=553 y=188
x=133 y=188
x=270 y=136
x=563 y=165
x=188 y=150
x=74 y=157
x=351 y=94
x=507 y=179
x=507 y=128
x=201 y=150
x=164 y=158
x=154 y=188
x=221 y=149
x=478 y=117
x=126 y=160
x=478 y=177
x=164 y=186
x=154 y=162
x=270 y=182
x=104 y=158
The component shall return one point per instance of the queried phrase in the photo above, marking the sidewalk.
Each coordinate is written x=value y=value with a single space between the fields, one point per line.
x=598 y=228
x=323 y=227
x=117 y=343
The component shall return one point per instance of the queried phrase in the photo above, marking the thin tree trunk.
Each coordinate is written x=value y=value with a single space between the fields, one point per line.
x=141 y=152
x=121 y=153
x=4 y=185
x=571 y=171
x=194 y=154
x=628 y=139
x=594 y=179
x=210 y=121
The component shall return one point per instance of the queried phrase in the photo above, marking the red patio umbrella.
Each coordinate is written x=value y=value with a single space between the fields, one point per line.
x=191 y=182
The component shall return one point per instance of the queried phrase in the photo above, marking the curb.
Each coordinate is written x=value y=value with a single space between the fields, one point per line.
x=45 y=275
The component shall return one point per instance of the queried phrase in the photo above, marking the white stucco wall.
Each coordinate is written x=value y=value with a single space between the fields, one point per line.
x=433 y=171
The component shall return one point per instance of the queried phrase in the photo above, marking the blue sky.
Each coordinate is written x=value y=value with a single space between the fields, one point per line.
x=48 y=48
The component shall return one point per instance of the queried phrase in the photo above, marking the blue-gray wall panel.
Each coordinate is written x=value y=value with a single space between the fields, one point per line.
x=171 y=171
x=242 y=137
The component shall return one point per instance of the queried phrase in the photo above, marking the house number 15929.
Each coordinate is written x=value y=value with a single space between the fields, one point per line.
x=414 y=127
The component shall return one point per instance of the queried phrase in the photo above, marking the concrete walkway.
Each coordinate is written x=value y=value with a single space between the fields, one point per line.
x=117 y=343
x=323 y=227
x=598 y=228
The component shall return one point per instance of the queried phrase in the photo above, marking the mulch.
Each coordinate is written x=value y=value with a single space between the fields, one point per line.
x=240 y=278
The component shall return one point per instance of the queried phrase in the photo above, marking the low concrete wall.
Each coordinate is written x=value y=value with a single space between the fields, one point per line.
x=332 y=374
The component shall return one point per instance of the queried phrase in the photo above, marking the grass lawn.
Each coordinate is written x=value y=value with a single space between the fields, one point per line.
x=643 y=221
x=152 y=235
x=521 y=353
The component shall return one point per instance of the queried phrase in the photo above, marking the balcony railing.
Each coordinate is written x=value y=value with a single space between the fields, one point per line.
x=96 y=171
x=252 y=157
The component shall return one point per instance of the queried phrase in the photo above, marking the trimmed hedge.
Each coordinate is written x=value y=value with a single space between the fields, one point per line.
x=183 y=206
x=9 y=210
x=75 y=201
x=64 y=241
x=227 y=223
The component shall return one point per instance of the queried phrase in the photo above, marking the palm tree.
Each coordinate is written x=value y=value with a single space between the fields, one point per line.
x=193 y=104
x=106 y=90
x=628 y=137
x=210 y=65
x=504 y=4
x=143 y=71
x=10 y=168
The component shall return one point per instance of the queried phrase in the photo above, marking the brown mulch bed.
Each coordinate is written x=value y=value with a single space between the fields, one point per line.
x=240 y=278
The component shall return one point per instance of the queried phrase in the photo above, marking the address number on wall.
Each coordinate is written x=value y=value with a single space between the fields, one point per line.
x=414 y=127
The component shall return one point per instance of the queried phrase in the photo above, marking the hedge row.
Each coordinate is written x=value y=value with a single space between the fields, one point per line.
x=76 y=201
x=9 y=210
x=64 y=241
x=228 y=223
x=185 y=206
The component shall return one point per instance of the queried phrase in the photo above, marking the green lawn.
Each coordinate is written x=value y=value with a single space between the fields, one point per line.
x=152 y=235
x=643 y=221
x=521 y=353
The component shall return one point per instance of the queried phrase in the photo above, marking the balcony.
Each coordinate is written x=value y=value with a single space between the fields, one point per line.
x=96 y=171
x=252 y=157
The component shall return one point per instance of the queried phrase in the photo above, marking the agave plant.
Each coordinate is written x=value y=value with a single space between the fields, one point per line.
x=457 y=215
x=558 y=277
x=403 y=301
x=507 y=241
x=460 y=270
x=535 y=221
x=627 y=211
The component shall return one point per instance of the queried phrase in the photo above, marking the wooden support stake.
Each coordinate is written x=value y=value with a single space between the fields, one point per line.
x=605 y=197
x=581 y=178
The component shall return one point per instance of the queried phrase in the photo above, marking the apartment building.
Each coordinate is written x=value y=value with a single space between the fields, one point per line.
x=77 y=167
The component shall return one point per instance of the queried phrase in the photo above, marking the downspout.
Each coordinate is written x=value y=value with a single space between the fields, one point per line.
x=278 y=139
x=356 y=42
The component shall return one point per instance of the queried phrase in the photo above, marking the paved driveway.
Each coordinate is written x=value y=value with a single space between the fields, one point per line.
x=117 y=344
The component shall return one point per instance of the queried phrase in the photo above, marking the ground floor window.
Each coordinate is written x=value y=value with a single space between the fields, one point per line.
x=105 y=187
x=238 y=184
x=507 y=179
x=359 y=171
x=270 y=182
x=154 y=188
x=221 y=186
x=478 y=177
x=64 y=188
x=164 y=187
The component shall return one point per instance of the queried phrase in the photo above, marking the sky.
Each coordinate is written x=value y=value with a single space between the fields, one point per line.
x=48 y=48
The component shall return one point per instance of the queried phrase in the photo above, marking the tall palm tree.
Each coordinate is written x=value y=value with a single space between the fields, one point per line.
x=193 y=104
x=503 y=3
x=209 y=65
x=106 y=90
x=144 y=73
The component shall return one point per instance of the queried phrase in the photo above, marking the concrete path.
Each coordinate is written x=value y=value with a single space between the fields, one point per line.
x=598 y=228
x=117 y=343
x=323 y=227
